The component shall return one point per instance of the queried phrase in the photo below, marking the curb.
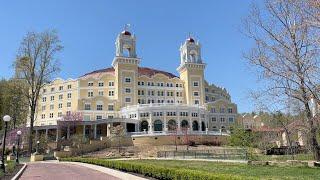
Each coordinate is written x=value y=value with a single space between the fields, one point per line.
x=17 y=176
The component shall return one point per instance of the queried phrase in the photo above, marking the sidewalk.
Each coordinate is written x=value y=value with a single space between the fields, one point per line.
x=115 y=173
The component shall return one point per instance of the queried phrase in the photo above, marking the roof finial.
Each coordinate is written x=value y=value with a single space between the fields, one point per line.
x=126 y=27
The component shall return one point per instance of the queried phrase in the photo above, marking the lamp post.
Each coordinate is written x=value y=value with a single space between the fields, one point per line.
x=18 y=147
x=37 y=150
x=6 y=119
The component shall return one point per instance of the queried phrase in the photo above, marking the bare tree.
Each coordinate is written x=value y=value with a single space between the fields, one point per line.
x=36 y=64
x=286 y=55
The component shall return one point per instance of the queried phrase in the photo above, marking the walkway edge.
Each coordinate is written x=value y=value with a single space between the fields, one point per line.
x=17 y=176
x=112 y=172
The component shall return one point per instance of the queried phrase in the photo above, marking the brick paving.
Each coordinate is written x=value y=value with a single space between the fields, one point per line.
x=59 y=171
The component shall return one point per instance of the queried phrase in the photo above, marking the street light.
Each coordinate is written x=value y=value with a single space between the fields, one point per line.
x=6 y=119
x=18 y=147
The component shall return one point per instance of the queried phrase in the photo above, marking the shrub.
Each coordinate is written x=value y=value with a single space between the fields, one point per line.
x=11 y=165
x=153 y=171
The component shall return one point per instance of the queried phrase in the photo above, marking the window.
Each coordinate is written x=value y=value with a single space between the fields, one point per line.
x=69 y=95
x=231 y=120
x=110 y=116
x=110 y=107
x=60 y=88
x=111 y=83
x=111 y=93
x=90 y=84
x=221 y=110
x=52 y=89
x=51 y=115
x=100 y=93
x=128 y=100
x=127 y=80
x=222 y=119
x=99 y=117
x=51 y=107
x=195 y=83
x=59 y=114
x=90 y=93
x=68 y=104
x=86 y=117
x=100 y=84
x=99 y=107
x=60 y=105
x=194 y=114
x=196 y=93
x=230 y=110
x=43 y=116
x=52 y=98
x=60 y=96
x=69 y=86
x=44 y=99
x=43 y=108
x=196 y=101
x=184 y=114
x=128 y=90
x=68 y=113
x=87 y=106
x=44 y=90
x=213 y=119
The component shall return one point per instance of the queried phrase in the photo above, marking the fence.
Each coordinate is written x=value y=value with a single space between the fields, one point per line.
x=220 y=154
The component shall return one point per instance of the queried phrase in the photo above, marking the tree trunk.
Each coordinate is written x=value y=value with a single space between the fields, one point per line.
x=313 y=134
x=32 y=113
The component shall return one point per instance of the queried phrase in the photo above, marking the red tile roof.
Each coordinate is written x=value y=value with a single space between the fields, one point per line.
x=142 y=71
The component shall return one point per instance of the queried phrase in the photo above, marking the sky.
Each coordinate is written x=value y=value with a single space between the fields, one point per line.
x=88 y=30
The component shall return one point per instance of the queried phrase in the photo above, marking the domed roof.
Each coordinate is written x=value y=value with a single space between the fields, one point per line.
x=126 y=33
x=190 y=39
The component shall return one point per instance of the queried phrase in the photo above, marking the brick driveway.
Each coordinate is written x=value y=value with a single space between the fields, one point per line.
x=59 y=171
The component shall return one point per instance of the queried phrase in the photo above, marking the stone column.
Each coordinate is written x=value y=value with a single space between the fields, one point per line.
x=47 y=133
x=94 y=131
x=150 y=129
x=108 y=129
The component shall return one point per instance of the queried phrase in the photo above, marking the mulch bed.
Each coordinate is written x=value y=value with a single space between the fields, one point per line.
x=9 y=176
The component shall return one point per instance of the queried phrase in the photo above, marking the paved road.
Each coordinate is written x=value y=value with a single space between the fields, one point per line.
x=59 y=171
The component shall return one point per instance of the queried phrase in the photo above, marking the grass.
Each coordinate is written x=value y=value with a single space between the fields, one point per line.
x=241 y=170
x=300 y=157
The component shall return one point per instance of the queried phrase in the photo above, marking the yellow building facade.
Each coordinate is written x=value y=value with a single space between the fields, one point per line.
x=143 y=100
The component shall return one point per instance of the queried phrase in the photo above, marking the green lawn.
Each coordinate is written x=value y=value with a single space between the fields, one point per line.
x=242 y=170
x=300 y=157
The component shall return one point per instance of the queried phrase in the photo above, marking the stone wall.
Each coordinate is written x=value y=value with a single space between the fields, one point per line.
x=170 y=140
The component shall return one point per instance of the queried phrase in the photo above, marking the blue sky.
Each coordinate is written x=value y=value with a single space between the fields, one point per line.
x=88 y=30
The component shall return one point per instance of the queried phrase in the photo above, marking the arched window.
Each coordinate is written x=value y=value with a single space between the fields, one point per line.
x=144 y=125
x=184 y=124
x=193 y=56
x=214 y=128
x=223 y=129
x=172 y=125
x=203 y=126
x=157 y=125
x=195 y=126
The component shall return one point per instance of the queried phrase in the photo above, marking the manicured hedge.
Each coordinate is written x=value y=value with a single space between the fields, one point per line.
x=157 y=172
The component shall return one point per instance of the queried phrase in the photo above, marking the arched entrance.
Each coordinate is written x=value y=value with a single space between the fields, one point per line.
x=203 y=126
x=157 y=124
x=184 y=124
x=195 y=126
x=144 y=125
x=172 y=125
